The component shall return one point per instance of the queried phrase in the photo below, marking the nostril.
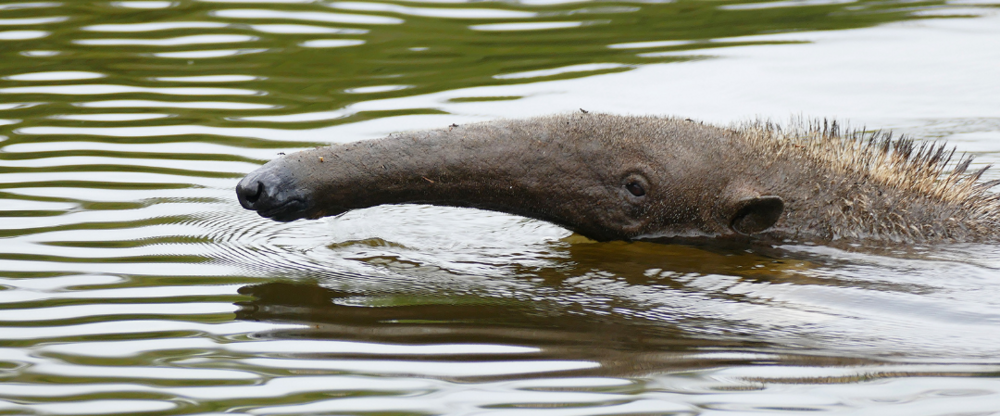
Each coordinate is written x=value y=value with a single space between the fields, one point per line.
x=248 y=194
x=252 y=197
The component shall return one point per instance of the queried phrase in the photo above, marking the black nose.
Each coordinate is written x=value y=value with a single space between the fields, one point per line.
x=249 y=191
x=274 y=192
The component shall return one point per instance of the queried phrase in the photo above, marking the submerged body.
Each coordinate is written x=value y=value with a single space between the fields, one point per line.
x=622 y=177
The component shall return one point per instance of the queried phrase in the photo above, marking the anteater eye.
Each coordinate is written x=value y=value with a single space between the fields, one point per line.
x=635 y=188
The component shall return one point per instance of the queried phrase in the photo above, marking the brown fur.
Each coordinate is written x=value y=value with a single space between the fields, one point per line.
x=806 y=182
x=883 y=188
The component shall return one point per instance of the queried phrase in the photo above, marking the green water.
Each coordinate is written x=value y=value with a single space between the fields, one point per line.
x=131 y=282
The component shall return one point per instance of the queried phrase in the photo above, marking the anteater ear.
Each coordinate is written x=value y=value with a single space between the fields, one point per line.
x=756 y=214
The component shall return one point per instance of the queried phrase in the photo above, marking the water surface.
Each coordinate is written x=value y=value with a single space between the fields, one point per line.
x=131 y=282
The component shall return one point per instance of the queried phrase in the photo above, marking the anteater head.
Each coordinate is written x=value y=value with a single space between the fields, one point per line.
x=603 y=176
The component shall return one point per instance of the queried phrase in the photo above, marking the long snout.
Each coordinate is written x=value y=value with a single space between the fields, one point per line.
x=273 y=193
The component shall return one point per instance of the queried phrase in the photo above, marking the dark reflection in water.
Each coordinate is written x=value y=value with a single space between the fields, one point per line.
x=619 y=346
x=622 y=346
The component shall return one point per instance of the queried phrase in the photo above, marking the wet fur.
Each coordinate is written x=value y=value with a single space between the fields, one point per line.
x=802 y=182
x=880 y=187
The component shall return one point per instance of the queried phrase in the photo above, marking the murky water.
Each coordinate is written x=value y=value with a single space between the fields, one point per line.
x=132 y=282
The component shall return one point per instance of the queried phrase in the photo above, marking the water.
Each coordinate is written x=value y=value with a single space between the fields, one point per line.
x=131 y=282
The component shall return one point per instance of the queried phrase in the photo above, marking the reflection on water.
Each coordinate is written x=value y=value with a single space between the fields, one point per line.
x=342 y=325
x=132 y=282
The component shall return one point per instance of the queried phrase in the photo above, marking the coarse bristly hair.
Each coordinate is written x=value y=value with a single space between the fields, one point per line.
x=923 y=196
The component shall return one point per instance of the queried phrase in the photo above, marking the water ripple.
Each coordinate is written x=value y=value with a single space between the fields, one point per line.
x=177 y=130
x=560 y=71
x=210 y=78
x=22 y=34
x=223 y=53
x=140 y=373
x=507 y=27
x=178 y=41
x=426 y=368
x=448 y=13
x=101 y=89
x=61 y=313
x=109 y=117
x=207 y=105
x=38 y=5
x=153 y=26
x=287 y=29
x=310 y=16
x=331 y=43
x=55 y=76
x=86 y=407
x=172 y=150
x=363 y=348
x=32 y=21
